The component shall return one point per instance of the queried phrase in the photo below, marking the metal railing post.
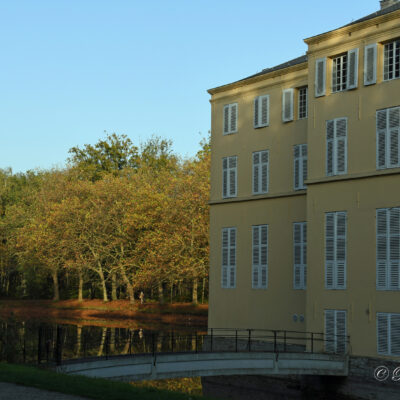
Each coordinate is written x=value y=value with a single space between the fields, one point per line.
x=312 y=342
x=274 y=341
x=153 y=343
x=249 y=340
x=236 y=341
x=284 y=341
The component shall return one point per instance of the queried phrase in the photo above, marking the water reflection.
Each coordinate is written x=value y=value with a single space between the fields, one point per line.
x=30 y=342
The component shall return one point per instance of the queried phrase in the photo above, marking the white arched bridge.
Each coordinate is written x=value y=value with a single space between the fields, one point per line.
x=219 y=352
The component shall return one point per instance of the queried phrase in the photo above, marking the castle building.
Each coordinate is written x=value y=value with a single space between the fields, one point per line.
x=305 y=192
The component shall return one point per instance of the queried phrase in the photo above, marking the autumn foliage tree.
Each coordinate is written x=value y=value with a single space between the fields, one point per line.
x=120 y=219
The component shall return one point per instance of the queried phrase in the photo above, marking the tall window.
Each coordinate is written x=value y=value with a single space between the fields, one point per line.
x=261 y=111
x=336 y=146
x=335 y=331
x=388 y=249
x=303 y=102
x=391 y=62
x=335 y=250
x=300 y=255
x=228 y=280
x=230 y=118
x=300 y=166
x=339 y=73
x=229 y=176
x=388 y=138
x=260 y=172
x=388 y=334
x=260 y=257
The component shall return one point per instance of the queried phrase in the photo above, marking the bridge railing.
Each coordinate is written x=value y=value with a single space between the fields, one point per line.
x=51 y=345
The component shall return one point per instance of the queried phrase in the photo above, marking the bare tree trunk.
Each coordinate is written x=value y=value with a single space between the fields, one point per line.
x=112 y=340
x=114 y=286
x=103 y=283
x=160 y=293
x=202 y=290
x=194 y=291
x=129 y=287
x=171 y=291
x=80 y=287
x=56 y=295
x=102 y=343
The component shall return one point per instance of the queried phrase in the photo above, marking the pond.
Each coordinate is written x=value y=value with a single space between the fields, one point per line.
x=37 y=342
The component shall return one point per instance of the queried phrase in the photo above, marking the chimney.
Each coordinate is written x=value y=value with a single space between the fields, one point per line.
x=387 y=3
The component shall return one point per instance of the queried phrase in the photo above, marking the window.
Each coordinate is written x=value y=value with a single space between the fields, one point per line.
x=260 y=257
x=336 y=146
x=391 y=61
x=335 y=331
x=229 y=176
x=388 y=334
x=388 y=249
x=303 y=102
x=260 y=172
x=387 y=138
x=320 y=77
x=261 y=111
x=300 y=255
x=300 y=166
x=345 y=71
x=335 y=250
x=228 y=258
x=287 y=105
x=230 y=118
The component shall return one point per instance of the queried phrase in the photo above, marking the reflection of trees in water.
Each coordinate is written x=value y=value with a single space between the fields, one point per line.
x=33 y=342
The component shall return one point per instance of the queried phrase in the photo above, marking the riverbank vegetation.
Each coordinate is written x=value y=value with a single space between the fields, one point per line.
x=117 y=221
x=100 y=389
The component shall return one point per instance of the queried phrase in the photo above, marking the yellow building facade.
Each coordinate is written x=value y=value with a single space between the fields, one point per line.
x=305 y=192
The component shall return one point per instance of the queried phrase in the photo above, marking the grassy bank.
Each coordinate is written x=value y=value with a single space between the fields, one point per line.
x=100 y=389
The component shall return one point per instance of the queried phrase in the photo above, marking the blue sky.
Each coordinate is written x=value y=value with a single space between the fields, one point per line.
x=72 y=69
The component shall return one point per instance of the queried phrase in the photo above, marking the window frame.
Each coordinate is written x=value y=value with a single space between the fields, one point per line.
x=259 y=266
x=300 y=268
x=302 y=99
x=229 y=266
x=335 y=141
x=302 y=151
x=396 y=48
x=258 y=114
x=384 y=345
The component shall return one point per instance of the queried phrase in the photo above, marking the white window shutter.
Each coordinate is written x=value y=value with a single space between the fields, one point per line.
x=329 y=250
x=232 y=257
x=394 y=251
x=226 y=119
x=381 y=129
x=352 y=74
x=264 y=255
x=370 y=53
x=297 y=250
x=256 y=256
x=320 y=77
x=256 y=172
x=256 y=112
x=395 y=334
x=394 y=132
x=265 y=110
x=287 y=105
x=329 y=331
x=225 y=257
x=382 y=322
x=381 y=248
x=225 y=177
x=340 y=255
x=305 y=255
x=264 y=171
x=341 y=145
x=304 y=155
x=297 y=150
x=233 y=119
x=232 y=176
x=330 y=135
x=341 y=331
